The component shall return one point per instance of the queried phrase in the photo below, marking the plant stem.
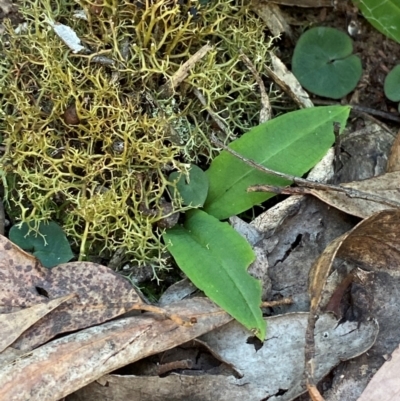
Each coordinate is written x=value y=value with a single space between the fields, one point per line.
x=82 y=249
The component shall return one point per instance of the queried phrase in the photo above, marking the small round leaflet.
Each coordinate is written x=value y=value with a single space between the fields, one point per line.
x=48 y=242
x=193 y=187
x=324 y=64
x=392 y=84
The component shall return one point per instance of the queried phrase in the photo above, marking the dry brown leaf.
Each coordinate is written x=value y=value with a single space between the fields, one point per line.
x=373 y=244
x=12 y=325
x=394 y=157
x=274 y=372
x=387 y=186
x=287 y=82
x=101 y=294
x=385 y=385
x=62 y=366
x=273 y=16
x=320 y=270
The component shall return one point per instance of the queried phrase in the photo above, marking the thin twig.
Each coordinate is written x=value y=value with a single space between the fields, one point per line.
x=167 y=89
x=351 y=193
x=362 y=109
x=271 y=304
x=266 y=109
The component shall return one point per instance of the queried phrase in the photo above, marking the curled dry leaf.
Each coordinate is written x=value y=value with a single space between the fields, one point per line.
x=100 y=293
x=386 y=186
x=62 y=366
x=373 y=244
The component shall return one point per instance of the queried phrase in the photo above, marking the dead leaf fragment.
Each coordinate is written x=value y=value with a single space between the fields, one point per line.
x=385 y=385
x=12 y=325
x=394 y=157
x=274 y=372
x=375 y=243
x=272 y=15
x=62 y=366
x=288 y=82
x=387 y=186
x=101 y=294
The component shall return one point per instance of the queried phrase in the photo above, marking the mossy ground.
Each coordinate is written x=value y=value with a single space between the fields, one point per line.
x=96 y=175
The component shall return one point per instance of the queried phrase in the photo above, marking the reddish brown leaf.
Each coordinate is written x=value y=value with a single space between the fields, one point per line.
x=100 y=293
x=375 y=243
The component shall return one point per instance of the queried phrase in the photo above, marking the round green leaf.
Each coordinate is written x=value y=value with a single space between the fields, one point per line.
x=324 y=64
x=192 y=188
x=392 y=84
x=48 y=243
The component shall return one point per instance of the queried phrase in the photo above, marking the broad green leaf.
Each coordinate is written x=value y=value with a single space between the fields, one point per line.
x=392 y=84
x=324 y=64
x=384 y=15
x=193 y=188
x=48 y=243
x=292 y=143
x=215 y=258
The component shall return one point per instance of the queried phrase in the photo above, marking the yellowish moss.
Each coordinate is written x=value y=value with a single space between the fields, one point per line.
x=97 y=176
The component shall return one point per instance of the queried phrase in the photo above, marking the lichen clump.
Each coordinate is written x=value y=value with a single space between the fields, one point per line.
x=90 y=139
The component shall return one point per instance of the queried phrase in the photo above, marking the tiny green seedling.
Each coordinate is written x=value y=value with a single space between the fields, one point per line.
x=47 y=242
x=324 y=64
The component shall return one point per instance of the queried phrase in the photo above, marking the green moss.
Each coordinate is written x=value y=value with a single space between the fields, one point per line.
x=96 y=177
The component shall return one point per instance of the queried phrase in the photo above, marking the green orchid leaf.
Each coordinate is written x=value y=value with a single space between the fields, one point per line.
x=292 y=143
x=382 y=15
x=324 y=64
x=193 y=188
x=48 y=243
x=215 y=258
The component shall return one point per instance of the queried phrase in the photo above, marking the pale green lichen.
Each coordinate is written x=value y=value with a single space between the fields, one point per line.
x=73 y=173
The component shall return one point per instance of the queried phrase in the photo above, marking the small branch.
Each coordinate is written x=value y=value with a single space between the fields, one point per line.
x=362 y=109
x=266 y=109
x=351 y=193
x=183 y=71
x=283 y=301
